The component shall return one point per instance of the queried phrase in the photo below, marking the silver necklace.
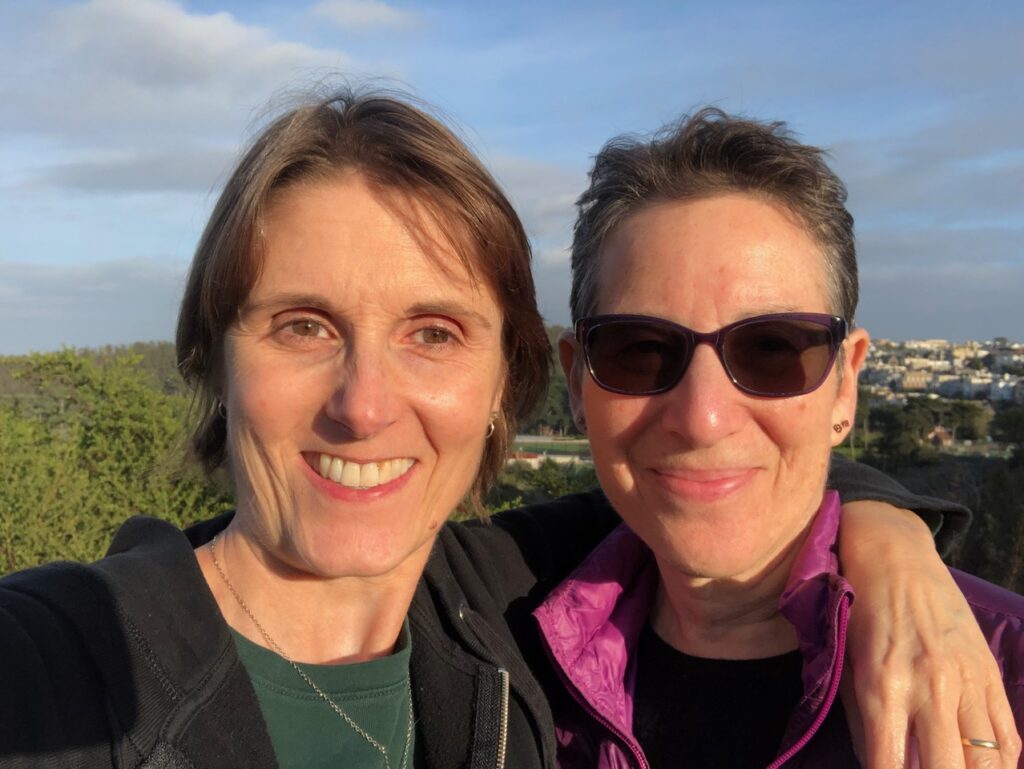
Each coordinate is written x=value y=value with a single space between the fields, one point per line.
x=309 y=681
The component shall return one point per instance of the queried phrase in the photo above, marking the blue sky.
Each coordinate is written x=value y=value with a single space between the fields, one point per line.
x=121 y=118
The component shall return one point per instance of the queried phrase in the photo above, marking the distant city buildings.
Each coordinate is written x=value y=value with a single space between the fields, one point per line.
x=991 y=371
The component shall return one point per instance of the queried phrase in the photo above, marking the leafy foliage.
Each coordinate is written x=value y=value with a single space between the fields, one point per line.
x=1008 y=426
x=96 y=443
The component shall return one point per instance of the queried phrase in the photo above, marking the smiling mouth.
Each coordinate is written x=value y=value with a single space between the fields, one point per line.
x=354 y=475
x=703 y=485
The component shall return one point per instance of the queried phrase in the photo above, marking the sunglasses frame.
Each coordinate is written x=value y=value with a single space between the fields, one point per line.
x=836 y=325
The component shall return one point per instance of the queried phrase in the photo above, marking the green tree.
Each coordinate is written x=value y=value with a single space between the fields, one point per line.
x=1007 y=425
x=994 y=547
x=525 y=485
x=100 y=444
x=902 y=434
x=966 y=420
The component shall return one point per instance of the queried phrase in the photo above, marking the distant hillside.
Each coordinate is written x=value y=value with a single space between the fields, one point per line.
x=156 y=361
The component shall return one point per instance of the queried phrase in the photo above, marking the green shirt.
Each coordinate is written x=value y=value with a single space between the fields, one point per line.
x=307 y=733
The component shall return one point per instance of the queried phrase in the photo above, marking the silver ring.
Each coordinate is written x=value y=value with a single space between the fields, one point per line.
x=972 y=743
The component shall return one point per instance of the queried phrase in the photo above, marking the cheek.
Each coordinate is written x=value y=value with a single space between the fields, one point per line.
x=268 y=405
x=456 y=409
x=801 y=432
x=617 y=428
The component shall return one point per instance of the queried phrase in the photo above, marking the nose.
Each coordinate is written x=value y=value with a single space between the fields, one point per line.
x=705 y=406
x=363 y=399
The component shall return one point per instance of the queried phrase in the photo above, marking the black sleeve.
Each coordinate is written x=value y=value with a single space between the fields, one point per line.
x=854 y=482
x=51 y=708
x=529 y=550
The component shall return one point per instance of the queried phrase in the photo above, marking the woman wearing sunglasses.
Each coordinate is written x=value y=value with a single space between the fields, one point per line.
x=714 y=366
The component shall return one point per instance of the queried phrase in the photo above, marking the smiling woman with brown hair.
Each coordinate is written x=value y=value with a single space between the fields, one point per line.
x=361 y=329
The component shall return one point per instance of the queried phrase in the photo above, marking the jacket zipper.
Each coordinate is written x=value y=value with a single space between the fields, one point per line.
x=842 y=617
x=482 y=652
x=641 y=760
x=503 y=724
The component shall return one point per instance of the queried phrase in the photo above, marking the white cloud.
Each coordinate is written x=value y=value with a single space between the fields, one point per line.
x=544 y=195
x=956 y=302
x=362 y=15
x=951 y=283
x=43 y=307
x=185 y=169
x=106 y=70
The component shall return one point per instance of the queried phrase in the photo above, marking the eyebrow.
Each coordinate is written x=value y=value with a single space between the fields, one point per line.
x=771 y=309
x=287 y=300
x=320 y=303
x=449 y=308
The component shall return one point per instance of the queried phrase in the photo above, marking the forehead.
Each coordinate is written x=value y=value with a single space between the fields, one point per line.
x=359 y=242
x=711 y=260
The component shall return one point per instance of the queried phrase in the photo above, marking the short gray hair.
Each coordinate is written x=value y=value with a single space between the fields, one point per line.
x=712 y=153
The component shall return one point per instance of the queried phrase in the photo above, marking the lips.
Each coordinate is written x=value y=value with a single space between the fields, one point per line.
x=704 y=484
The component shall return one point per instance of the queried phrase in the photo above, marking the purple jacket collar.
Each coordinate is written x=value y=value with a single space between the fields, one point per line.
x=591 y=624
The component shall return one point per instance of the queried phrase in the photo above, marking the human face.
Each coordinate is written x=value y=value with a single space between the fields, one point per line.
x=718 y=482
x=360 y=380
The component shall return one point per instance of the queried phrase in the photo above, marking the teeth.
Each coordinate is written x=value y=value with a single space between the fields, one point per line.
x=336 y=466
x=357 y=476
x=350 y=475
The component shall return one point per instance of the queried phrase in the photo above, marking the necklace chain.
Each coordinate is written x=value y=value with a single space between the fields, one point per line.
x=309 y=681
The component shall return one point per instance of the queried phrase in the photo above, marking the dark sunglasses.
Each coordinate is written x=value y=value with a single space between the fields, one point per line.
x=772 y=356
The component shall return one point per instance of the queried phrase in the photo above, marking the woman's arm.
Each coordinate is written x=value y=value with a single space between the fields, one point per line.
x=919 y=665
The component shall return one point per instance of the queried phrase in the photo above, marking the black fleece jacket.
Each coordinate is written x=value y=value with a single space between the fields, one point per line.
x=128 y=663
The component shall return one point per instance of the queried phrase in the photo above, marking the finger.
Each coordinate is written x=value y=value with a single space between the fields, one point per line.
x=1003 y=725
x=877 y=718
x=975 y=723
x=936 y=724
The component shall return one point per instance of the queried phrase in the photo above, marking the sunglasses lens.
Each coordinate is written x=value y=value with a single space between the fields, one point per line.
x=636 y=357
x=778 y=357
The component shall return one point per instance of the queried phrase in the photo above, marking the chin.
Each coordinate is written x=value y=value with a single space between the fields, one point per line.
x=706 y=547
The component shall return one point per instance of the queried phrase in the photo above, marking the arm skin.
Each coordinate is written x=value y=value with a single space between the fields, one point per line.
x=919 y=665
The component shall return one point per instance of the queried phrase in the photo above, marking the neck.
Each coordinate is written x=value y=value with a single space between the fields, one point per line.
x=312 y=620
x=734 y=618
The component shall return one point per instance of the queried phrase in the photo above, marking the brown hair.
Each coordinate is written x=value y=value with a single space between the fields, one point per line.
x=712 y=153
x=399 y=147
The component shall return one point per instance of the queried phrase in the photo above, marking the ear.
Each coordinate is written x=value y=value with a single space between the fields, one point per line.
x=855 y=348
x=571 y=357
x=499 y=391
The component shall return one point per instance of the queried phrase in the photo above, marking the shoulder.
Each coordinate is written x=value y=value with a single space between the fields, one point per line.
x=146 y=561
x=572 y=524
x=541 y=542
x=82 y=643
x=517 y=552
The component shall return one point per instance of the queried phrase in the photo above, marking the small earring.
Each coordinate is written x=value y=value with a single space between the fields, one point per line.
x=490 y=427
x=581 y=421
x=222 y=410
x=841 y=426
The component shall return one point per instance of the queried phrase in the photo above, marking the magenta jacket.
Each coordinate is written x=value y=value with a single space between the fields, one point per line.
x=592 y=622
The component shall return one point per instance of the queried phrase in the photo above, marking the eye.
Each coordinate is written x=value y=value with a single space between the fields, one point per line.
x=306 y=327
x=435 y=335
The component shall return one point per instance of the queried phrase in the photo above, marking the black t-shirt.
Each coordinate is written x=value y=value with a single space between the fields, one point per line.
x=694 y=712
